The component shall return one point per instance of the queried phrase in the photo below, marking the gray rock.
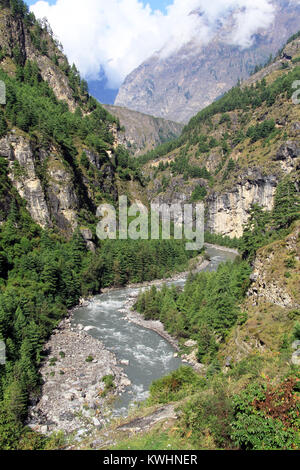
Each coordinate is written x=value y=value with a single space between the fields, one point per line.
x=44 y=429
x=86 y=233
x=290 y=149
x=125 y=382
x=296 y=126
x=124 y=362
x=174 y=86
x=296 y=358
x=253 y=277
x=296 y=344
x=190 y=343
x=70 y=396
x=96 y=422
x=97 y=443
x=228 y=361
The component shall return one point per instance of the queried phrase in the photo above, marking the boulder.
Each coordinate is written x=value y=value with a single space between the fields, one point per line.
x=89 y=328
x=190 y=343
x=124 y=362
x=86 y=233
x=296 y=358
x=44 y=429
x=290 y=149
x=125 y=382
x=296 y=344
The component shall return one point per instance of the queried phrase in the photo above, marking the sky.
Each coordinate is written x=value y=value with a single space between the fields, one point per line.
x=107 y=39
x=155 y=4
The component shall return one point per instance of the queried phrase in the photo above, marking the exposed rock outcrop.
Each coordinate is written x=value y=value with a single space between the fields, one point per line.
x=270 y=283
x=22 y=172
x=288 y=155
x=48 y=199
x=14 y=36
x=227 y=212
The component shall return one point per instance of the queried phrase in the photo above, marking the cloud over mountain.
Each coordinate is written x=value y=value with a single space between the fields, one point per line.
x=118 y=35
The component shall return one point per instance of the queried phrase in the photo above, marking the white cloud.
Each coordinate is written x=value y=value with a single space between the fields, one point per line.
x=118 y=35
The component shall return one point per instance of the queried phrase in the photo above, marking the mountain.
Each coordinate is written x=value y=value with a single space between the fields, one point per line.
x=235 y=152
x=142 y=132
x=178 y=86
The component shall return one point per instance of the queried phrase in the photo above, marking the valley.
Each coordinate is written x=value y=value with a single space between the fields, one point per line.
x=205 y=341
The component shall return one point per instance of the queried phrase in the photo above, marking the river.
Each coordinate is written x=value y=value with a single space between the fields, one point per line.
x=150 y=356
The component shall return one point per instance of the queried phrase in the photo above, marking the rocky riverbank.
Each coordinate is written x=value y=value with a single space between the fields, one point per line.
x=81 y=377
x=223 y=248
x=158 y=327
x=80 y=380
x=132 y=316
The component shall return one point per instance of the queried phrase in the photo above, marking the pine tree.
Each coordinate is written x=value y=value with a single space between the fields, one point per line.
x=287 y=203
x=3 y=125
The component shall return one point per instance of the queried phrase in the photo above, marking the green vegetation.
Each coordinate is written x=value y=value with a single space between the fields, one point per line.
x=181 y=166
x=243 y=99
x=205 y=310
x=267 y=417
x=254 y=403
x=247 y=98
x=176 y=386
x=199 y=193
x=265 y=227
x=89 y=359
x=261 y=131
x=41 y=276
x=108 y=380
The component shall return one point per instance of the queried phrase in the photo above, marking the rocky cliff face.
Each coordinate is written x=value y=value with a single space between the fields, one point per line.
x=142 y=132
x=15 y=37
x=50 y=186
x=229 y=211
x=270 y=281
x=179 y=86
x=51 y=197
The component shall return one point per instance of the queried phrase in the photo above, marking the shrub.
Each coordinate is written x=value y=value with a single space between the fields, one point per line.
x=175 y=386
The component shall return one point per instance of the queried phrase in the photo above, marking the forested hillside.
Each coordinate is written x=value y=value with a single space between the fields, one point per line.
x=58 y=161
